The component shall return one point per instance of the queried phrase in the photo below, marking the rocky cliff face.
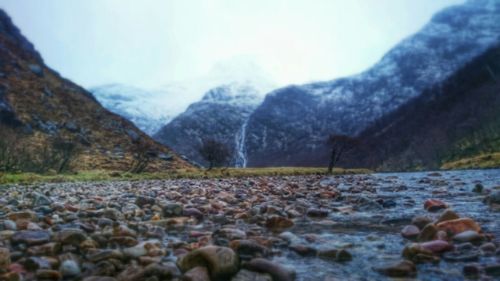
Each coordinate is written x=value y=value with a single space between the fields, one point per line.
x=291 y=125
x=220 y=115
x=40 y=106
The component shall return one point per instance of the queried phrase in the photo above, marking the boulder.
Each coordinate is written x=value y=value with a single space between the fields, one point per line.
x=222 y=262
x=278 y=272
x=454 y=227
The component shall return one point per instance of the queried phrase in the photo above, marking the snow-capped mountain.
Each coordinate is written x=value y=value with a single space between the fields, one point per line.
x=221 y=115
x=291 y=125
x=147 y=109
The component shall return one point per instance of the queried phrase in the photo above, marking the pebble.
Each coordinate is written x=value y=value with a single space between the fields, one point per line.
x=410 y=232
x=400 y=269
x=278 y=272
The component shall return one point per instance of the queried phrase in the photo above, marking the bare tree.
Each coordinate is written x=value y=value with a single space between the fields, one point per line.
x=8 y=149
x=143 y=154
x=339 y=145
x=215 y=153
x=63 y=152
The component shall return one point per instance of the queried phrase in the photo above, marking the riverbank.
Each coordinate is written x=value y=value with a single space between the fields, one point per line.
x=314 y=227
x=98 y=175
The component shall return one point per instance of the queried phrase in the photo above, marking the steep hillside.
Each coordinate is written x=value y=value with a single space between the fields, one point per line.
x=455 y=120
x=148 y=110
x=220 y=115
x=291 y=125
x=39 y=106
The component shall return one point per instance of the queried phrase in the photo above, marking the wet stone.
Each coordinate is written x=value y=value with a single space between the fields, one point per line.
x=410 y=232
x=277 y=271
x=31 y=237
x=247 y=275
x=401 y=269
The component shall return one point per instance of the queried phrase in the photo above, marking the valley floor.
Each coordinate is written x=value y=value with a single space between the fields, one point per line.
x=309 y=227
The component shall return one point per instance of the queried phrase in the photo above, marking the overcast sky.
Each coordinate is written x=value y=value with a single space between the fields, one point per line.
x=150 y=43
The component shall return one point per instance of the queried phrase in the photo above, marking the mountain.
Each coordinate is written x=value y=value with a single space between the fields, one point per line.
x=221 y=115
x=39 y=107
x=291 y=125
x=148 y=110
x=452 y=121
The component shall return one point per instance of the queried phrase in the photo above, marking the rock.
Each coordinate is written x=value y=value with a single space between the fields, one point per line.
x=416 y=253
x=47 y=274
x=488 y=248
x=247 y=275
x=471 y=270
x=4 y=258
x=278 y=223
x=47 y=249
x=278 y=272
x=172 y=209
x=303 y=250
x=492 y=270
x=222 y=262
x=478 y=188
x=247 y=249
x=71 y=236
x=433 y=205
x=141 y=201
x=401 y=269
x=317 y=213
x=421 y=221
x=36 y=69
x=453 y=227
x=40 y=199
x=150 y=248
x=468 y=236
x=410 y=232
x=230 y=234
x=462 y=255
x=428 y=233
x=193 y=212
x=112 y=214
x=343 y=256
x=31 y=237
x=9 y=225
x=447 y=215
x=25 y=215
x=436 y=246
x=69 y=268
x=493 y=198
x=134 y=136
x=198 y=273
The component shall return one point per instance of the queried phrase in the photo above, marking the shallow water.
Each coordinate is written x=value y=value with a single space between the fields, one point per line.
x=374 y=237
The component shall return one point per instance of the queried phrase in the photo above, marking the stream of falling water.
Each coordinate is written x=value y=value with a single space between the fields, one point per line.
x=241 y=153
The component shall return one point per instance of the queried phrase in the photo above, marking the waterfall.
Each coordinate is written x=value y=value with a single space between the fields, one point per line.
x=241 y=153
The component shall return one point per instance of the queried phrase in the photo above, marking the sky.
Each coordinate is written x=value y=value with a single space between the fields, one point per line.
x=150 y=43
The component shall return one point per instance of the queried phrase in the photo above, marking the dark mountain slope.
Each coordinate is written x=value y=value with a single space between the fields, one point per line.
x=459 y=118
x=39 y=106
x=291 y=125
